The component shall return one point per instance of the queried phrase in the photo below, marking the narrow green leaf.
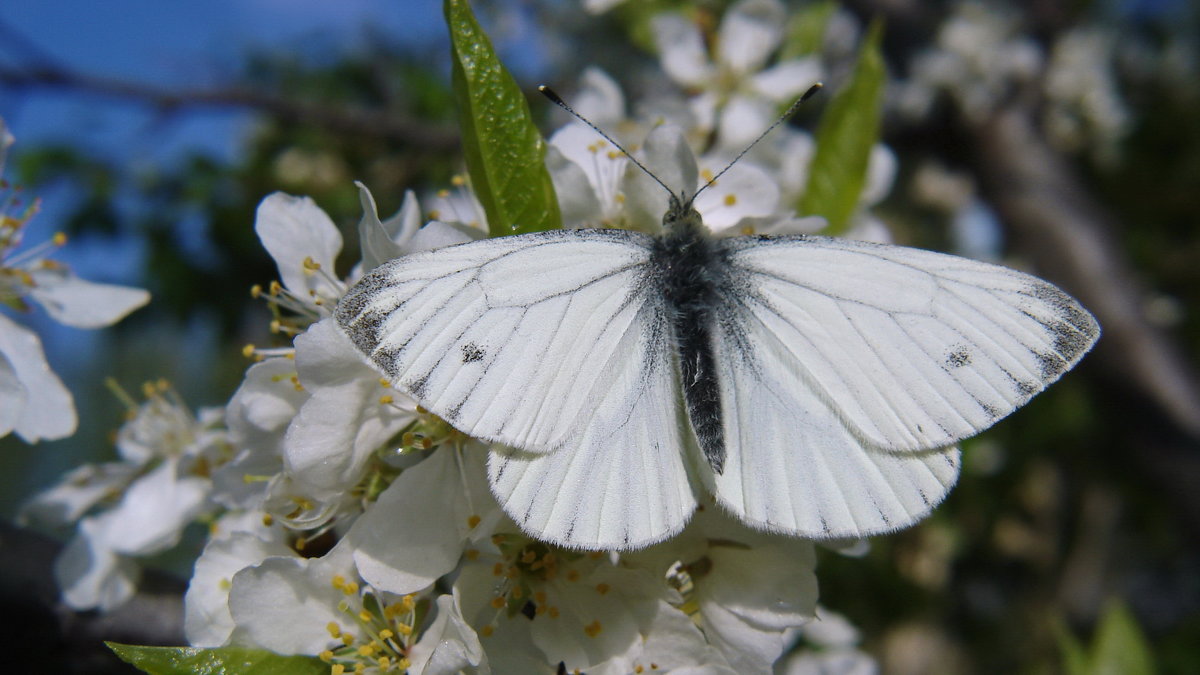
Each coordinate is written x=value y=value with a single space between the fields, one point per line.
x=503 y=148
x=221 y=661
x=1120 y=647
x=1072 y=653
x=848 y=130
x=806 y=30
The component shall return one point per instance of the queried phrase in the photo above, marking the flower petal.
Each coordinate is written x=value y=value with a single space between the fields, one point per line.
x=382 y=241
x=72 y=301
x=91 y=575
x=681 y=50
x=12 y=397
x=153 y=512
x=750 y=31
x=293 y=229
x=49 y=410
x=666 y=153
x=449 y=646
x=207 y=620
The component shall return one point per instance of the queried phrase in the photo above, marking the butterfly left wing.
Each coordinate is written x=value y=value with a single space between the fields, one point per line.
x=911 y=349
x=792 y=465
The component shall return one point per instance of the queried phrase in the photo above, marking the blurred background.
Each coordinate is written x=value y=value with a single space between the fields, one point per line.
x=1061 y=137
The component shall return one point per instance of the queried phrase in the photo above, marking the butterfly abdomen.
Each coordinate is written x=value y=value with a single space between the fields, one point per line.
x=690 y=269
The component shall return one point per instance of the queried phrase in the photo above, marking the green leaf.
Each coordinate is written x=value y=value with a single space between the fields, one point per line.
x=806 y=30
x=848 y=130
x=221 y=661
x=1119 y=647
x=503 y=148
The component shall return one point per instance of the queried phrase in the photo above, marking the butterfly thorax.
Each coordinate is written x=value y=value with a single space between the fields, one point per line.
x=689 y=270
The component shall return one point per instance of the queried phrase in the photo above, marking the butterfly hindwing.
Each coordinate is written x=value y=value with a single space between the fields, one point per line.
x=793 y=466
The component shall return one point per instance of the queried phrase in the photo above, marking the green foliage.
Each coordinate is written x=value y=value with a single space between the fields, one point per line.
x=221 y=661
x=1118 y=647
x=806 y=30
x=504 y=150
x=848 y=130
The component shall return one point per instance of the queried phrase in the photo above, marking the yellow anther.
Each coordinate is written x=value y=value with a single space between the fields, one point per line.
x=639 y=669
x=384 y=383
x=59 y=239
x=498 y=602
x=248 y=350
x=386 y=634
x=256 y=291
x=473 y=521
x=386 y=399
x=614 y=154
x=706 y=175
x=528 y=557
x=593 y=629
x=471 y=554
x=366 y=650
x=347 y=639
x=364 y=616
x=403 y=664
x=434 y=214
x=553 y=611
x=326 y=656
x=443 y=193
x=360 y=667
x=337 y=669
x=384 y=662
x=487 y=630
x=404 y=629
x=275 y=288
x=517 y=593
x=458 y=180
x=311 y=265
x=275 y=326
x=409 y=602
x=268 y=519
x=225 y=584
x=730 y=199
x=296 y=383
x=339 y=582
x=351 y=588
x=602 y=588
x=497 y=569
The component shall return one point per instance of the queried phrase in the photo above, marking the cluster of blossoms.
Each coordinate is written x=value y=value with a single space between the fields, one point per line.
x=983 y=58
x=347 y=523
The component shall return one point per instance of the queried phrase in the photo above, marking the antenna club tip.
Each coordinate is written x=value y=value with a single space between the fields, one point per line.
x=549 y=93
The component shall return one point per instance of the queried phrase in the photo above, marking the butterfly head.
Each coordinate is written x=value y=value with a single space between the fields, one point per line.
x=681 y=214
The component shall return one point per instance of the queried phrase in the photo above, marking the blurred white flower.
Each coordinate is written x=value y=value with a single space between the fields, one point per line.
x=738 y=95
x=136 y=507
x=33 y=400
x=1085 y=109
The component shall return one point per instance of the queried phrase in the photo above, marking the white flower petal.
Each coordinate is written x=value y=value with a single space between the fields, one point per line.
x=881 y=172
x=576 y=197
x=750 y=31
x=745 y=191
x=415 y=531
x=151 y=516
x=599 y=98
x=6 y=140
x=285 y=603
x=666 y=153
x=382 y=241
x=72 y=301
x=49 y=410
x=681 y=50
x=91 y=575
x=785 y=81
x=293 y=229
x=742 y=120
x=207 y=620
x=449 y=646
x=436 y=234
x=76 y=493
x=343 y=421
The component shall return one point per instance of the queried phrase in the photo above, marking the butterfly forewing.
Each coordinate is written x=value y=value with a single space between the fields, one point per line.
x=912 y=350
x=521 y=340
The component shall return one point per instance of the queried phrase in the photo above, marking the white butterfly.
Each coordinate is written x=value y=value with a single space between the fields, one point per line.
x=811 y=386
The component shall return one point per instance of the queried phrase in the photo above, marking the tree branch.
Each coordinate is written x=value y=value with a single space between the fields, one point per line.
x=344 y=120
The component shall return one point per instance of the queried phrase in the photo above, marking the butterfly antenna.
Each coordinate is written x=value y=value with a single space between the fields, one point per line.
x=782 y=118
x=549 y=93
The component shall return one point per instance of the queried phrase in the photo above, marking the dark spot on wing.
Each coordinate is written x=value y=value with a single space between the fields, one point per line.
x=925 y=498
x=990 y=410
x=1051 y=365
x=958 y=357
x=472 y=352
x=418 y=386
